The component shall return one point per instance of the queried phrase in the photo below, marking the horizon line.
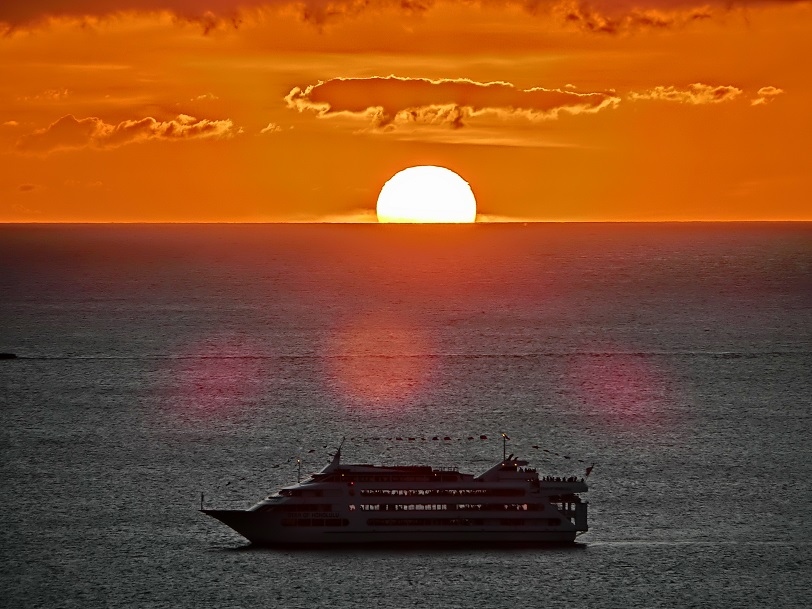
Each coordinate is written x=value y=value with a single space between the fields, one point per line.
x=351 y=223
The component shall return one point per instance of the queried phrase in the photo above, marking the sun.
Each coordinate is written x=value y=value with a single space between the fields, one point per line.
x=426 y=193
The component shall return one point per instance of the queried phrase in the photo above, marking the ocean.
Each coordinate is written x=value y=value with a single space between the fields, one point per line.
x=159 y=362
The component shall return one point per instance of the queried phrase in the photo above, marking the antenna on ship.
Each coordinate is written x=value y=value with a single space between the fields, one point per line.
x=336 y=458
x=504 y=446
x=299 y=464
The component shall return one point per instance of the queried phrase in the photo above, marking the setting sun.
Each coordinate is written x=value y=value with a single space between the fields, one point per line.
x=426 y=194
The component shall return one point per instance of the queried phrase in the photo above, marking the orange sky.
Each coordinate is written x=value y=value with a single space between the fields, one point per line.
x=160 y=110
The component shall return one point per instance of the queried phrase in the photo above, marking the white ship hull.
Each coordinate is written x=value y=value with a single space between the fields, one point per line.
x=261 y=530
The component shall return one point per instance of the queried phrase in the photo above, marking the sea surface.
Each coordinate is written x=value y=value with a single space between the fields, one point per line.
x=159 y=362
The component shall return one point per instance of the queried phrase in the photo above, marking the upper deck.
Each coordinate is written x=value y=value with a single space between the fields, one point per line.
x=511 y=475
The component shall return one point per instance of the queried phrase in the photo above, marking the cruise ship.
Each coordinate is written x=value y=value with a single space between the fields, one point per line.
x=360 y=503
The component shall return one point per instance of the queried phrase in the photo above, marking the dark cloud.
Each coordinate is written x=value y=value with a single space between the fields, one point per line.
x=601 y=16
x=69 y=132
x=210 y=14
x=612 y=19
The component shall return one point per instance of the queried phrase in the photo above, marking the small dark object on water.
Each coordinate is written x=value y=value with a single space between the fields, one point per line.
x=8 y=356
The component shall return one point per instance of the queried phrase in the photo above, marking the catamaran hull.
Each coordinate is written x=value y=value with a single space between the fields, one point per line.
x=259 y=529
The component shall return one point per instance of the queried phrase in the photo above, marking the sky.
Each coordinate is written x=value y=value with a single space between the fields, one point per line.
x=277 y=110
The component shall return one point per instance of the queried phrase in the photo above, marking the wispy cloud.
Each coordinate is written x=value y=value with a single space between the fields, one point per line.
x=50 y=95
x=69 y=132
x=766 y=94
x=696 y=93
x=271 y=128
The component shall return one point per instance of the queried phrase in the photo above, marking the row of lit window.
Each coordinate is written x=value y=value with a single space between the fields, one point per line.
x=404 y=478
x=395 y=478
x=483 y=492
x=462 y=522
x=479 y=507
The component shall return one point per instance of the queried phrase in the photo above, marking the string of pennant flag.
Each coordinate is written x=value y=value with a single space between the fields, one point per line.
x=417 y=439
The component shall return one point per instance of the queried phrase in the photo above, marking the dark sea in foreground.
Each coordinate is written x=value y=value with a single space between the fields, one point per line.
x=158 y=362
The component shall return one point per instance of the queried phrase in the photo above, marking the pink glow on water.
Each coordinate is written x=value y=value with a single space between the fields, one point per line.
x=622 y=388
x=217 y=375
x=374 y=360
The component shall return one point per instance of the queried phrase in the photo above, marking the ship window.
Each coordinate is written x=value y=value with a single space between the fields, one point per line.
x=424 y=522
x=492 y=507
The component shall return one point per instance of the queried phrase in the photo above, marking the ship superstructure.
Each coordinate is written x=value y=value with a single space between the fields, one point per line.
x=363 y=503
